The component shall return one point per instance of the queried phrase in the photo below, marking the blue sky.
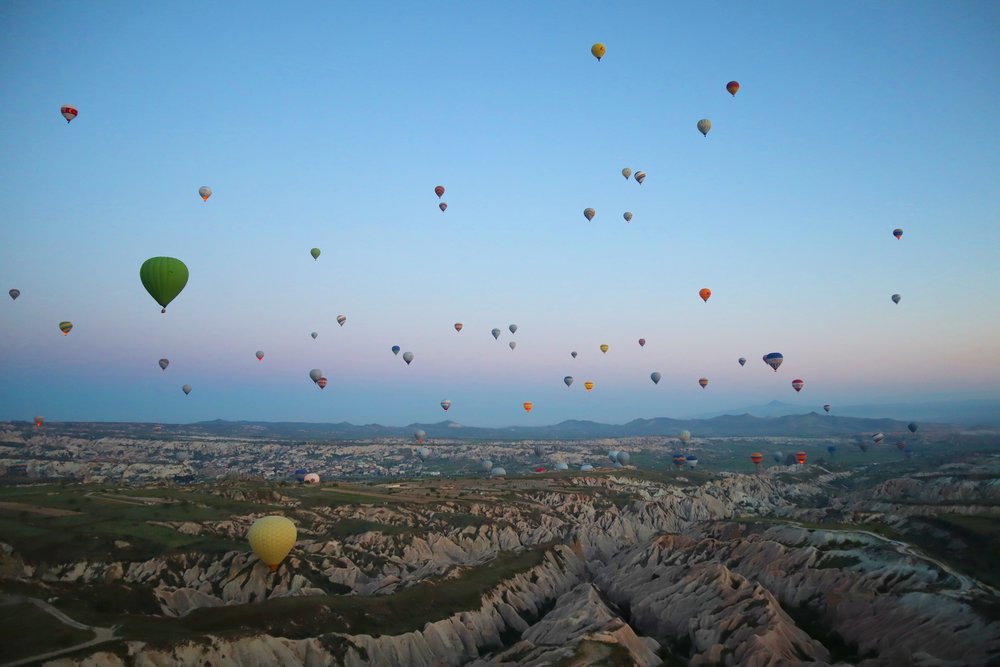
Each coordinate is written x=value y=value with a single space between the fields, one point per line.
x=322 y=124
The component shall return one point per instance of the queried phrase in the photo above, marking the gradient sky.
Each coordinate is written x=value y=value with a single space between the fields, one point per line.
x=329 y=124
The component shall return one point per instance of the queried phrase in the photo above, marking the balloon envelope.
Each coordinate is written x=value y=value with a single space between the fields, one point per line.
x=733 y=87
x=598 y=50
x=774 y=360
x=685 y=436
x=186 y=389
x=458 y=326
x=655 y=377
x=260 y=355
x=626 y=172
x=512 y=344
x=704 y=125
x=913 y=427
x=419 y=434
x=826 y=407
x=756 y=458
x=14 y=293
x=743 y=361
x=314 y=335
x=496 y=334
x=527 y=405
x=204 y=192
x=797 y=384
x=271 y=538
x=315 y=374
x=896 y=298
x=800 y=457
x=642 y=342
x=589 y=213
x=704 y=293
x=322 y=382
x=624 y=458
x=703 y=382
x=163 y=278
x=65 y=327
x=395 y=349
x=640 y=176
x=164 y=363
x=898 y=233
x=573 y=354
x=513 y=328
x=605 y=348
x=443 y=206
x=68 y=111
x=439 y=191
x=568 y=380
x=315 y=252
x=777 y=456
x=588 y=385
x=446 y=404
x=407 y=357
x=341 y=319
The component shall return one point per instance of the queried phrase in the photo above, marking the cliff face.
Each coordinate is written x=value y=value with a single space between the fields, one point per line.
x=640 y=570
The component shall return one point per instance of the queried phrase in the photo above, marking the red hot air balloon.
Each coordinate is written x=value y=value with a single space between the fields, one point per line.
x=322 y=382
x=439 y=191
x=756 y=458
x=797 y=384
x=801 y=458
x=733 y=87
x=704 y=293
x=443 y=206
x=68 y=112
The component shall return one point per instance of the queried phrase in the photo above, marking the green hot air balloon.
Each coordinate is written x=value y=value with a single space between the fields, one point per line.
x=315 y=253
x=163 y=278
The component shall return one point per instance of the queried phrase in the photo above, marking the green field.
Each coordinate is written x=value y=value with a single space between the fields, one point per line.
x=28 y=630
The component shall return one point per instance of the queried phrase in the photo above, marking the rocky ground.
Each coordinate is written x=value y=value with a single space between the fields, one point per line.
x=797 y=567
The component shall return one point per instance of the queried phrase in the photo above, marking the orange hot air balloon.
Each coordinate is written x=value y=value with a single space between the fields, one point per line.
x=756 y=458
x=527 y=406
x=588 y=385
x=703 y=382
x=704 y=293
x=801 y=458
x=733 y=87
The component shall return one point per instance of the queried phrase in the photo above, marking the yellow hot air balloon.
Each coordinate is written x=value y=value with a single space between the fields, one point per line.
x=271 y=538
x=527 y=405
x=598 y=50
x=588 y=385
x=604 y=348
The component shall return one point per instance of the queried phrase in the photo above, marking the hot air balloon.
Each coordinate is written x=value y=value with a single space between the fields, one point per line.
x=588 y=385
x=439 y=191
x=777 y=456
x=315 y=252
x=163 y=278
x=642 y=342
x=878 y=437
x=300 y=474
x=496 y=334
x=314 y=335
x=692 y=461
x=527 y=405
x=704 y=293
x=315 y=374
x=774 y=360
x=640 y=176
x=743 y=361
x=65 y=327
x=446 y=404
x=539 y=451
x=831 y=449
x=898 y=233
x=271 y=538
x=733 y=87
x=407 y=357
x=513 y=328
x=164 y=363
x=703 y=382
x=204 y=192
x=341 y=319
x=68 y=111
x=562 y=466
x=704 y=125
x=626 y=172
x=624 y=458
x=322 y=382
x=679 y=460
x=443 y=206
x=260 y=355
x=486 y=465
x=512 y=344
x=598 y=50
x=826 y=407
x=186 y=389
x=419 y=434
x=797 y=384
x=568 y=380
x=14 y=293
x=423 y=452
x=756 y=458
x=605 y=348
x=896 y=298
x=395 y=349
x=311 y=478
x=498 y=472
x=589 y=213
x=800 y=457
x=685 y=437
x=458 y=326
x=655 y=377
x=913 y=427
x=39 y=420
x=573 y=354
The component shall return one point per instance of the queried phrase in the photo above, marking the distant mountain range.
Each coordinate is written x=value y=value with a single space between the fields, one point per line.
x=966 y=413
x=802 y=425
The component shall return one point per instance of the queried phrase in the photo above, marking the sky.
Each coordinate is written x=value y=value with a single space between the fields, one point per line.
x=329 y=125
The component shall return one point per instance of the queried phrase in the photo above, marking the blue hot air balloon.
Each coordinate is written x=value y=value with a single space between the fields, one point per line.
x=774 y=360
x=692 y=461
x=832 y=449
x=396 y=349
